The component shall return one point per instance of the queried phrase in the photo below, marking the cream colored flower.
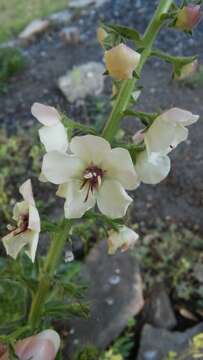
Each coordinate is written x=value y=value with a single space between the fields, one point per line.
x=166 y=132
x=187 y=70
x=121 y=61
x=52 y=134
x=101 y=35
x=94 y=173
x=123 y=240
x=27 y=229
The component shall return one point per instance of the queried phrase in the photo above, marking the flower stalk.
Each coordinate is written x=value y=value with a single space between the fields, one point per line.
x=127 y=87
x=50 y=266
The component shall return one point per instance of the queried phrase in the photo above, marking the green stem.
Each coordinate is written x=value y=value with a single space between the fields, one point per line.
x=127 y=87
x=45 y=281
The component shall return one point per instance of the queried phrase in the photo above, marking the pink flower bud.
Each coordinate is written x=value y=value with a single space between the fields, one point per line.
x=187 y=70
x=188 y=17
x=121 y=61
x=101 y=35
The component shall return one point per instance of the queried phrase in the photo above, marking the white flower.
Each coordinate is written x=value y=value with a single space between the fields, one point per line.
x=169 y=130
x=94 y=173
x=166 y=132
x=26 y=232
x=123 y=239
x=53 y=135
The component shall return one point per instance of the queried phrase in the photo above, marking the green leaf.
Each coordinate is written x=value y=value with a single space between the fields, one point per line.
x=124 y=31
x=13 y=303
x=66 y=310
x=146 y=118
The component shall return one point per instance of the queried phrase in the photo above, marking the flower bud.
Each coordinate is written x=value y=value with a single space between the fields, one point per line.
x=121 y=61
x=188 y=17
x=123 y=239
x=187 y=70
x=101 y=35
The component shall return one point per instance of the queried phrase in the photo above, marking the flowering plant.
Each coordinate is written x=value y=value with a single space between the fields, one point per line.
x=94 y=172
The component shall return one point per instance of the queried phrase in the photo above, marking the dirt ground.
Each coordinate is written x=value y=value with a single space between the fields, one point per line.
x=180 y=197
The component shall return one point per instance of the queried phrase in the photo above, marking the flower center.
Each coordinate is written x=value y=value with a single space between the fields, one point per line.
x=22 y=224
x=92 y=177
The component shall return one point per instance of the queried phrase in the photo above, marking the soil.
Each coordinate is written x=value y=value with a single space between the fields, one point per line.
x=180 y=197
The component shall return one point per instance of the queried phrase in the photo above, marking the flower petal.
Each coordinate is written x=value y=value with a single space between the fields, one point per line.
x=62 y=190
x=26 y=192
x=46 y=115
x=32 y=245
x=179 y=116
x=59 y=168
x=76 y=204
x=112 y=199
x=181 y=134
x=160 y=136
x=152 y=169
x=44 y=345
x=20 y=208
x=119 y=166
x=14 y=243
x=54 y=137
x=90 y=148
x=34 y=219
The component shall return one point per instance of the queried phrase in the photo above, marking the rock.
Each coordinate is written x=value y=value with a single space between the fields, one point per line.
x=157 y=343
x=70 y=35
x=198 y=272
x=61 y=18
x=83 y=80
x=37 y=26
x=114 y=294
x=158 y=310
x=80 y=3
x=85 y=3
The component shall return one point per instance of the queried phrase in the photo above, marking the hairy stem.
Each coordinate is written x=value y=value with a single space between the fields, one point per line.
x=50 y=265
x=127 y=87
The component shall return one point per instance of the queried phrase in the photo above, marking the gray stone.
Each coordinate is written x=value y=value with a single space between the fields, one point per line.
x=70 y=35
x=158 y=310
x=85 y=3
x=83 y=80
x=61 y=18
x=114 y=294
x=80 y=3
x=198 y=272
x=36 y=27
x=157 y=343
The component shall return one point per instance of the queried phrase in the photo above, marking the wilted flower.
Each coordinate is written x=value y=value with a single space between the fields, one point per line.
x=123 y=239
x=165 y=133
x=121 y=61
x=187 y=70
x=53 y=134
x=188 y=17
x=26 y=232
x=101 y=35
x=94 y=173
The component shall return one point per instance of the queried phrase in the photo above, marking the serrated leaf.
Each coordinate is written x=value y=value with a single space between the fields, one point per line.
x=66 y=310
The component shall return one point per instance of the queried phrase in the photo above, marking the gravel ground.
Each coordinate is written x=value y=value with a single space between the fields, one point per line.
x=180 y=197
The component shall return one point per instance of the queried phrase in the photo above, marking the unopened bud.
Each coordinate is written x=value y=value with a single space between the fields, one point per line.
x=187 y=71
x=124 y=239
x=101 y=35
x=121 y=61
x=188 y=17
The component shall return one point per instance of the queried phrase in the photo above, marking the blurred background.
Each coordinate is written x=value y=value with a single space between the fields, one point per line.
x=49 y=54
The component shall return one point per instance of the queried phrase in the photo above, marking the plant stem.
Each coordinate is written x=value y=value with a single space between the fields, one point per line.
x=50 y=265
x=127 y=87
